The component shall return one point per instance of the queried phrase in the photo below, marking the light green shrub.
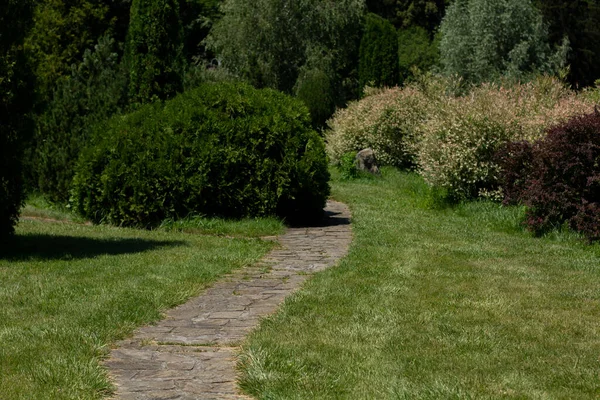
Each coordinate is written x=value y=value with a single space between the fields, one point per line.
x=385 y=120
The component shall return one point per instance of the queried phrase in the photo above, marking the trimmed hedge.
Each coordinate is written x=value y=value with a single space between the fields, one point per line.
x=224 y=149
x=557 y=177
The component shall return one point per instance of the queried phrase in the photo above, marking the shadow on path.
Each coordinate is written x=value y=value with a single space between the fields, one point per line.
x=51 y=247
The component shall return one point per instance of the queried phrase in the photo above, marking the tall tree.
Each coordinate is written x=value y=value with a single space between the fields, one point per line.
x=378 y=63
x=483 y=40
x=15 y=104
x=154 y=50
x=578 y=21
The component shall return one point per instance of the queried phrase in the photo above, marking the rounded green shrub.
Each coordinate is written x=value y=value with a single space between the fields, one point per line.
x=224 y=150
x=315 y=90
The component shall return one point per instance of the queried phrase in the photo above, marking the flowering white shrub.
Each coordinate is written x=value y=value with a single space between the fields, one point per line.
x=459 y=141
x=452 y=140
x=385 y=120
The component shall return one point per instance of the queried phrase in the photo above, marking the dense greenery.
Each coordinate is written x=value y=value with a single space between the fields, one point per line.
x=450 y=139
x=15 y=106
x=417 y=52
x=426 y=14
x=226 y=149
x=378 y=55
x=314 y=88
x=483 y=40
x=63 y=30
x=154 y=51
x=434 y=304
x=93 y=92
x=270 y=42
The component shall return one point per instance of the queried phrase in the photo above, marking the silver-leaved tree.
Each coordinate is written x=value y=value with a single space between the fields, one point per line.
x=484 y=40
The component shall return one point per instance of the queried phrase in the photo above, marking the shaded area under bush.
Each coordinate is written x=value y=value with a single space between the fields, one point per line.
x=53 y=247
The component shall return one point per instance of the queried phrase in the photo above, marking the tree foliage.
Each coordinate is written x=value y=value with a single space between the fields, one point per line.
x=154 y=52
x=416 y=50
x=268 y=42
x=578 y=21
x=93 y=92
x=15 y=105
x=483 y=40
x=426 y=14
x=378 y=63
x=64 y=29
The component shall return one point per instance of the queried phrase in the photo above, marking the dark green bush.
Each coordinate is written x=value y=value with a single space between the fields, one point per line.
x=378 y=63
x=154 y=50
x=15 y=104
x=224 y=150
x=93 y=92
x=315 y=90
x=416 y=50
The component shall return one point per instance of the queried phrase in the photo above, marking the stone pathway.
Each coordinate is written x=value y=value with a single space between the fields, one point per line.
x=191 y=354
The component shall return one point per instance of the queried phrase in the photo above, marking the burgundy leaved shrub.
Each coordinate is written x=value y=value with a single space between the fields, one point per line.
x=515 y=161
x=557 y=177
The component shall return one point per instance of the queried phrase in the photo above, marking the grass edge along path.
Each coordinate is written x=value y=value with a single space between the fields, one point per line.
x=68 y=291
x=190 y=354
x=435 y=304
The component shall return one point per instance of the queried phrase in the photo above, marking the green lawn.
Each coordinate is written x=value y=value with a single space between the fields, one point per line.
x=67 y=291
x=456 y=303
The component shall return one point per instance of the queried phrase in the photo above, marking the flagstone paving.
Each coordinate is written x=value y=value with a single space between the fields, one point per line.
x=191 y=354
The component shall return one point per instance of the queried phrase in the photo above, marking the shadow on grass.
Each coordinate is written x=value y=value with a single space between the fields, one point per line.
x=329 y=218
x=50 y=247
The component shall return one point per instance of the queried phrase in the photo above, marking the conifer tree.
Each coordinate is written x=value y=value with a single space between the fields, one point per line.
x=15 y=105
x=154 y=50
x=378 y=64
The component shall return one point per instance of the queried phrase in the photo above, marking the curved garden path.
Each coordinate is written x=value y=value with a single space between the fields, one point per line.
x=191 y=354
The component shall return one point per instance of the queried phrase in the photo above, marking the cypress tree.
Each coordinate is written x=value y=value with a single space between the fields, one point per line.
x=378 y=64
x=154 y=50
x=15 y=105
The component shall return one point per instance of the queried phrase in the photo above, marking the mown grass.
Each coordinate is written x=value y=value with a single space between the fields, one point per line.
x=447 y=303
x=67 y=291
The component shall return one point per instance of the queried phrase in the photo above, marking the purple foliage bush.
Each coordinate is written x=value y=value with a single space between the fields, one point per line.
x=557 y=177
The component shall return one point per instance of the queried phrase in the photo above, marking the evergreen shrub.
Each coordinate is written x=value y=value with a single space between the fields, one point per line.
x=93 y=92
x=416 y=50
x=378 y=54
x=224 y=150
x=16 y=94
x=315 y=90
x=154 y=51
x=557 y=177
